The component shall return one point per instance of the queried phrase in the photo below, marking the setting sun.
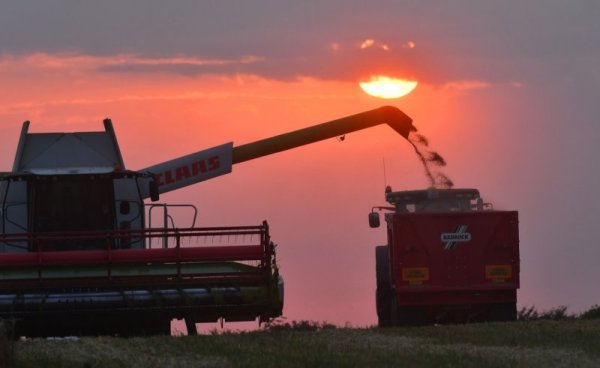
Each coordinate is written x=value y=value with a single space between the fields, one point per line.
x=386 y=87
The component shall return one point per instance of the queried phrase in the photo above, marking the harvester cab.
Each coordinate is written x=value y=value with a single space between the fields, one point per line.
x=78 y=255
x=68 y=182
x=450 y=257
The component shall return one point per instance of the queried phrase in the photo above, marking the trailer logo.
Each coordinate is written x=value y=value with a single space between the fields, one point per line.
x=460 y=235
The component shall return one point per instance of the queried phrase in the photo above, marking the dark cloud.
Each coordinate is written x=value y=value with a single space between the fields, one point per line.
x=328 y=64
x=459 y=40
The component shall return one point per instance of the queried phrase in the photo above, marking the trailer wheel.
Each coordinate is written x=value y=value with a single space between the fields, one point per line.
x=503 y=312
x=383 y=293
x=384 y=307
x=411 y=316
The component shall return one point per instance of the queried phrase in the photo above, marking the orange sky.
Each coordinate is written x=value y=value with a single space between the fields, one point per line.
x=487 y=99
x=316 y=198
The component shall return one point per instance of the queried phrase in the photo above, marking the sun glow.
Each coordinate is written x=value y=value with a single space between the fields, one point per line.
x=387 y=87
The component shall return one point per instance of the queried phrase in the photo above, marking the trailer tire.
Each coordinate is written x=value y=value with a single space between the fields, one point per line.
x=384 y=308
x=383 y=294
x=503 y=312
x=382 y=264
x=411 y=316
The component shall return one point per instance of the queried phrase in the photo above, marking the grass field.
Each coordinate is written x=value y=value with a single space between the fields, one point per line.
x=535 y=343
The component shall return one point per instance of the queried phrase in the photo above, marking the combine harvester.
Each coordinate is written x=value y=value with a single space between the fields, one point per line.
x=78 y=255
x=450 y=258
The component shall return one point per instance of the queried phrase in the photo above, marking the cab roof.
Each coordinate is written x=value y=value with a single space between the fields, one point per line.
x=68 y=153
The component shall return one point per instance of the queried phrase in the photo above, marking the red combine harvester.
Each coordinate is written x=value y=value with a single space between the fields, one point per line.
x=450 y=258
x=79 y=254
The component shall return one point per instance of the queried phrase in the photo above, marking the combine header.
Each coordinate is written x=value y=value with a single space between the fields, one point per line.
x=78 y=256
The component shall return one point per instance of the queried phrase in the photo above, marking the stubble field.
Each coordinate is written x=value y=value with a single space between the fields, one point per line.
x=536 y=343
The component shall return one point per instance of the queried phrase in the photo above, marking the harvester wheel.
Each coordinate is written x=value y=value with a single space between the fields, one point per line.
x=191 y=327
x=383 y=294
x=145 y=327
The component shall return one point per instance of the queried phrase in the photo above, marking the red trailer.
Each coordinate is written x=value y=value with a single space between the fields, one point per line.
x=450 y=258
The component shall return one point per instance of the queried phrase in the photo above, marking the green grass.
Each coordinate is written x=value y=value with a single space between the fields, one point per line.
x=534 y=343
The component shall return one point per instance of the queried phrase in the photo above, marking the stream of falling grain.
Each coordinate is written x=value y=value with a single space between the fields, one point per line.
x=431 y=161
